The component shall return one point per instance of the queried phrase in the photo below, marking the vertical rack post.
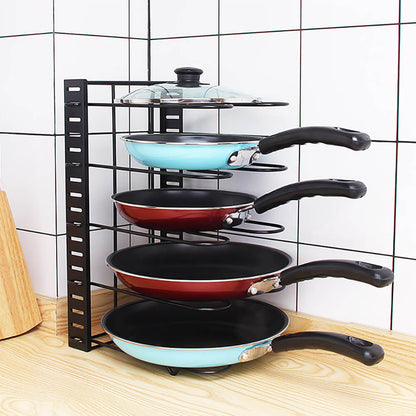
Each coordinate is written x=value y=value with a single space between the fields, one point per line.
x=171 y=119
x=114 y=154
x=77 y=214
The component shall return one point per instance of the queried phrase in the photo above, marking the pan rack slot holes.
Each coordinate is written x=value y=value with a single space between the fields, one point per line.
x=77 y=297
x=77 y=340
x=79 y=326
x=75 y=179
x=77 y=268
x=77 y=254
x=76 y=209
x=77 y=239
x=74 y=89
x=74 y=119
x=77 y=311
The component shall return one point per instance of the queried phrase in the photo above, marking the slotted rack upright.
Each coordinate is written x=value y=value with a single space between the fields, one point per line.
x=77 y=165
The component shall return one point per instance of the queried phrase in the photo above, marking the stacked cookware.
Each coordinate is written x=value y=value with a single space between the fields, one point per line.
x=200 y=309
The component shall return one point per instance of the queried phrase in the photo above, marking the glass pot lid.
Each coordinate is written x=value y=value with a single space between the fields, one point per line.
x=186 y=89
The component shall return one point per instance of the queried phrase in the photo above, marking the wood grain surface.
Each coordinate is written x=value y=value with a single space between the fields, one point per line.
x=19 y=311
x=40 y=375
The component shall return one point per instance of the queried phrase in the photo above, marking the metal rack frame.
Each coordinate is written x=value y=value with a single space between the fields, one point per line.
x=78 y=225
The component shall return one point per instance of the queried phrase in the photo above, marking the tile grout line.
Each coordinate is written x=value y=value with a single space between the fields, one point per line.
x=208 y=35
x=299 y=150
x=285 y=30
x=55 y=149
x=396 y=166
x=218 y=69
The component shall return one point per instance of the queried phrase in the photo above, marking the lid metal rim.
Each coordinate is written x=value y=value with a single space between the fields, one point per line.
x=185 y=100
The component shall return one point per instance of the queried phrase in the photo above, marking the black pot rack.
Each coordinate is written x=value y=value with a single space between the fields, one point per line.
x=78 y=225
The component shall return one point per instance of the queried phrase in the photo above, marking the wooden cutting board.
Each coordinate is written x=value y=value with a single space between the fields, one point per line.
x=19 y=311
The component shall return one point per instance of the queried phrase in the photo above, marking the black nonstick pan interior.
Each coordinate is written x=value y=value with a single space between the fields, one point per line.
x=187 y=262
x=163 y=325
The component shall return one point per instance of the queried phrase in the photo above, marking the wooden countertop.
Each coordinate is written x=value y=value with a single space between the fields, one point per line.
x=40 y=375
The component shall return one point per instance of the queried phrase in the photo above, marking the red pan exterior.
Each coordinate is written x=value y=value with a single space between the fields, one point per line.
x=184 y=219
x=190 y=290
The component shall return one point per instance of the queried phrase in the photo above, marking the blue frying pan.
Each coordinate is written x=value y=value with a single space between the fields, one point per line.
x=193 y=151
x=167 y=335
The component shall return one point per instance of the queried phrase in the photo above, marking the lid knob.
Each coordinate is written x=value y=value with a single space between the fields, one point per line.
x=188 y=76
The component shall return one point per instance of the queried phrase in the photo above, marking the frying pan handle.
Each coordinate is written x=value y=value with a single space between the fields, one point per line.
x=356 y=348
x=322 y=187
x=372 y=274
x=337 y=136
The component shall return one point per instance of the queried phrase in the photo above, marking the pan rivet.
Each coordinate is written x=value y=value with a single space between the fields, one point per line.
x=244 y=356
x=229 y=220
x=233 y=158
x=256 y=156
x=253 y=290
x=269 y=348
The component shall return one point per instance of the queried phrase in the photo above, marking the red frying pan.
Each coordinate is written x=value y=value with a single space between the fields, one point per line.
x=203 y=210
x=230 y=271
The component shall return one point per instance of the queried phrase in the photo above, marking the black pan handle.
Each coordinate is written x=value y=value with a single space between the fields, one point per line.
x=356 y=348
x=372 y=274
x=337 y=136
x=298 y=190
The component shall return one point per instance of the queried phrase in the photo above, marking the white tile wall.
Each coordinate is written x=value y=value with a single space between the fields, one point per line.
x=340 y=76
x=407 y=84
x=28 y=177
x=97 y=17
x=406 y=196
x=183 y=18
x=238 y=16
x=40 y=252
x=404 y=308
x=26 y=88
x=17 y=17
x=138 y=18
x=62 y=265
x=327 y=13
x=138 y=60
x=349 y=79
x=408 y=11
